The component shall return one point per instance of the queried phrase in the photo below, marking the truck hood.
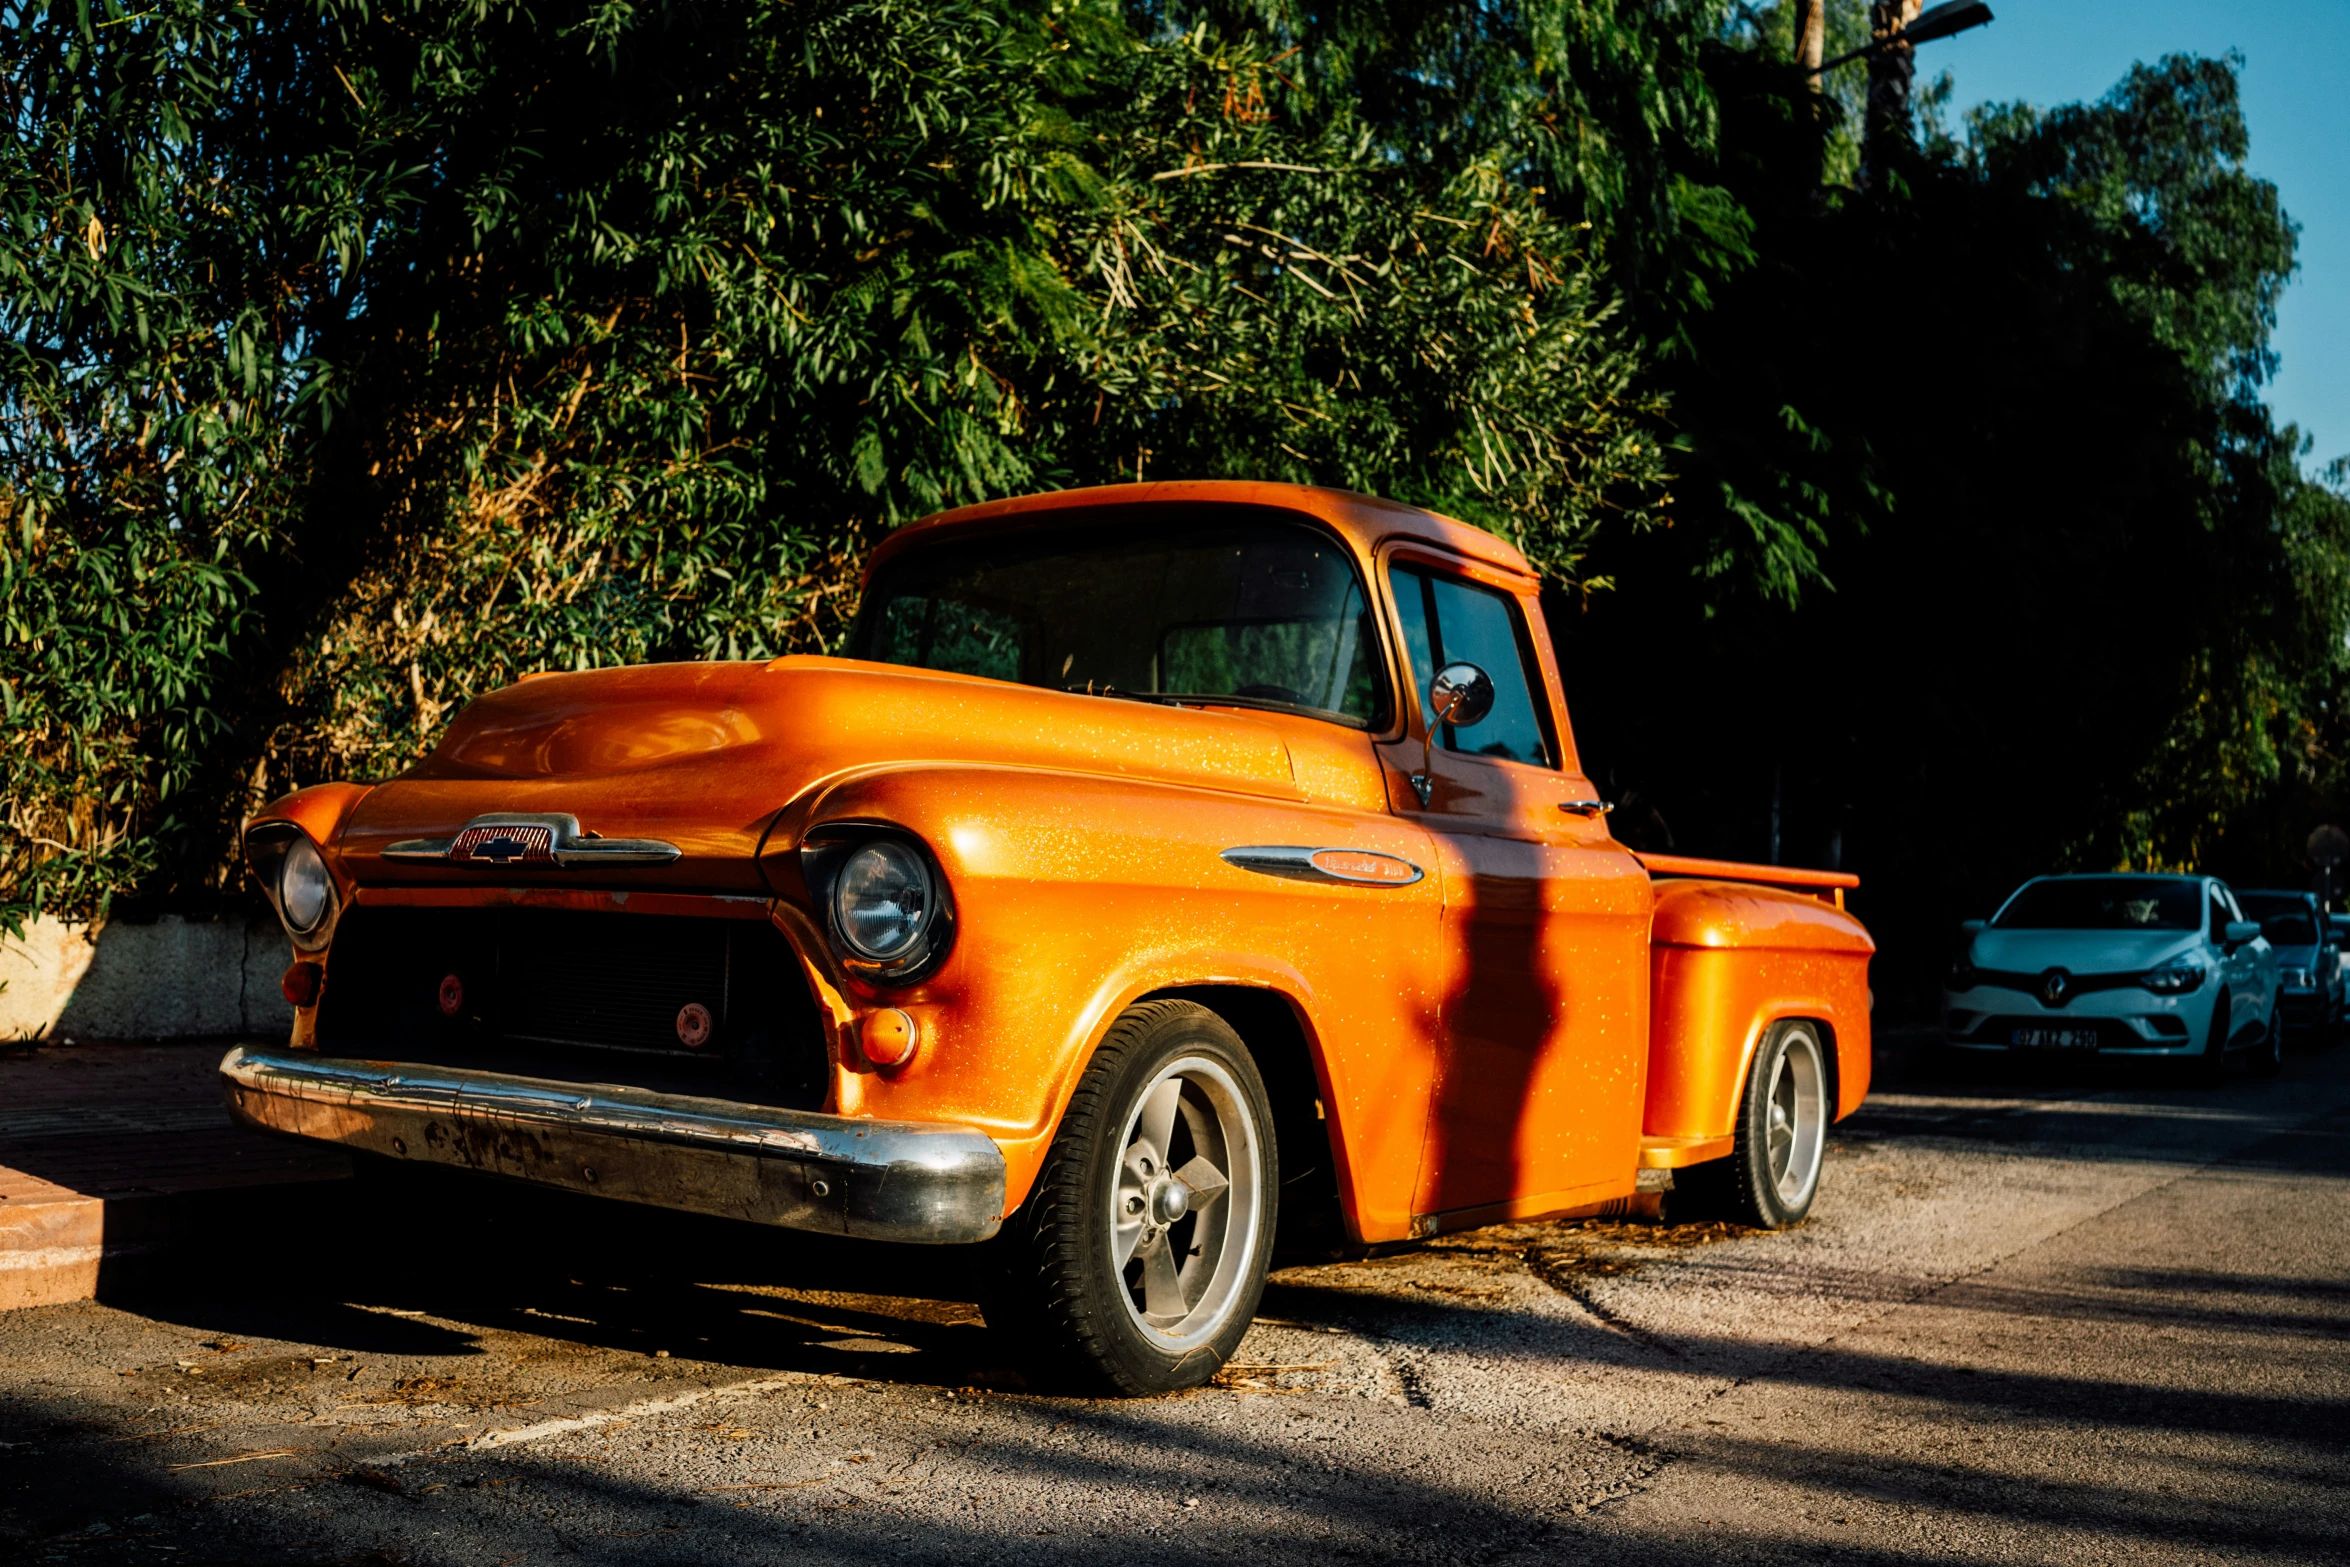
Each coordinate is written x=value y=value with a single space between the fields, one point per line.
x=705 y=756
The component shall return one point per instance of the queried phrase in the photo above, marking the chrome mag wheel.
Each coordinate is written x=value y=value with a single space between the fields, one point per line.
x=1796 y=1118
x=1773 y=1171
x=1136 y=1262
x=1183 y=1202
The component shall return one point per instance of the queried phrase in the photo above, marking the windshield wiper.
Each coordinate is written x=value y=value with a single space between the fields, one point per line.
x=1216 y=699
x=1090 y=689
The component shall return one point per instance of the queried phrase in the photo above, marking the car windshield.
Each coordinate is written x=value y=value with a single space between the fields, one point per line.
x=1174 y=604
x=2286 y=922
x=2105 y=903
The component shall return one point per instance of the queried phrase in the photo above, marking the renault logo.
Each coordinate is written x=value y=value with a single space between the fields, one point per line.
x=2056 y=987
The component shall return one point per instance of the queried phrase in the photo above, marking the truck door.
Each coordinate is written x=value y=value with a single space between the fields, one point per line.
x=1544 y=1047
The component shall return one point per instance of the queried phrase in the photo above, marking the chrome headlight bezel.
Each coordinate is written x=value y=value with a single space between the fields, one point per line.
x=828 y=852
x=276 y=850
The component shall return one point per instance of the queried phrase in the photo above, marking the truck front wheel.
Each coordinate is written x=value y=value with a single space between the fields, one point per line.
x=1137 y=1262
x=1773 y=1172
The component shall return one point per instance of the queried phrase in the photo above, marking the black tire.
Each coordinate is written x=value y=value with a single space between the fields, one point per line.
x=2210 y=1069
x=1126 y=1271
x=1773 y=1173
x=2268 y=1057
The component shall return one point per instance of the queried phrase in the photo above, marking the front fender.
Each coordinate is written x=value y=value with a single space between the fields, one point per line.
x=1076 y=895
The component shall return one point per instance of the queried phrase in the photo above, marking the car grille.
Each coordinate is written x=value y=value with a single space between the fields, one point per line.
x=610 y=982
x=584 y=996
x=2075 y=984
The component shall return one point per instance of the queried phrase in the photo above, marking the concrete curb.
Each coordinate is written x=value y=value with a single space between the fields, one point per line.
x=119 y=1168
x=171 y=979
x=89 y=1248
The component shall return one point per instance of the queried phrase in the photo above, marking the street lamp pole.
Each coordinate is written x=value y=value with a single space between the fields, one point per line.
x=1896 y=28
x=1893 y=70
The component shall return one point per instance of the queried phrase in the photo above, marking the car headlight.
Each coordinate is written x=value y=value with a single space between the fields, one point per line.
x=305 y=892
x=2295 y=976
x=882 y=901
x=1962 y=973
x=2173 y=979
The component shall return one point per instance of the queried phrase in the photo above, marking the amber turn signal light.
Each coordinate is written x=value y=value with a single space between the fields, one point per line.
x=302 y=983
x=888 y=1037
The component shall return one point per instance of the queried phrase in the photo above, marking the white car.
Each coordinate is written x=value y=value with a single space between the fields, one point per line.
x=2119 y=965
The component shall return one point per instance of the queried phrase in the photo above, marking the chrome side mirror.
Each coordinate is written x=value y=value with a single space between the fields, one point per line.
x=1460 y=695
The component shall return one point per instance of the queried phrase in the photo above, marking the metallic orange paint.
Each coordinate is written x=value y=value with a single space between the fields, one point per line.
x=319 y=810
x=1481 y=1038
x=1727 y=960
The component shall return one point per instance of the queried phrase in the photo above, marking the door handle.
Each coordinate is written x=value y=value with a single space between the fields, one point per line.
x=1586 y=808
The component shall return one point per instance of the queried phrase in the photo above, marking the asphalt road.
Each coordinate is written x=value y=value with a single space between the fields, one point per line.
x=2084 y=1315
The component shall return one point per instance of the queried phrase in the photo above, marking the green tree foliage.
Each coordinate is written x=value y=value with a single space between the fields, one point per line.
x=2085 y=610
x=364 y=357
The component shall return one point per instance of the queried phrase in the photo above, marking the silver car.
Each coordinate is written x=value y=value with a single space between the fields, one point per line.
x=2119 y=965
x=2309 y=960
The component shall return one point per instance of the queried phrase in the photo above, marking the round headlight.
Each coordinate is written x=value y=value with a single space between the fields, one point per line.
x=304 y=890
x=882 y=901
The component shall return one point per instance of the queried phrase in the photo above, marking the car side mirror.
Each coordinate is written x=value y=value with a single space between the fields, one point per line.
x=1973 y=927
x=2240 y=931
x=1460 y=695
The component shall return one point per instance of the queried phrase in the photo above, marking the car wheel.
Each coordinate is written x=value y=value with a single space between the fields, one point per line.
x=1138 y=1260
x=2211 y=1067
x=1773 y=1171
x=2268 y=1057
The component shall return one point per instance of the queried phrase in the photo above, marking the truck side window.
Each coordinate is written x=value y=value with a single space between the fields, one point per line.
x=1445 y=619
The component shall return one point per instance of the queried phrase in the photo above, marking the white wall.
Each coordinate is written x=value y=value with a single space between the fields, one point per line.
x=122 y=980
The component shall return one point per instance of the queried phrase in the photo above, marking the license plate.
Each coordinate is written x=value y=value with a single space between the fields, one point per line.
x=2054 y=1038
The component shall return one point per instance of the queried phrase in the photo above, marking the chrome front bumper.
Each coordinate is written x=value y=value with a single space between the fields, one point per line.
x=880 y=1180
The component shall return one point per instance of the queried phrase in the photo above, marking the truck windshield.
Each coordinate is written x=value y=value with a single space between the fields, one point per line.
x=1267 y=614
x=2105 y=903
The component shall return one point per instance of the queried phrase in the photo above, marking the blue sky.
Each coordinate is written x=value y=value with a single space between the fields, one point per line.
x=2296 y=99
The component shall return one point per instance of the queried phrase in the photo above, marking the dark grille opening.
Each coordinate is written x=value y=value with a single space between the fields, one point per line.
x=578 y=997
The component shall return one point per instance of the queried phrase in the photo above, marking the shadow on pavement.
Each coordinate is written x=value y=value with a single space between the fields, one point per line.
x=481 y=1261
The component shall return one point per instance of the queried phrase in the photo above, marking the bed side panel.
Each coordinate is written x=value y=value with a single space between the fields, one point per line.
x=1727 y=960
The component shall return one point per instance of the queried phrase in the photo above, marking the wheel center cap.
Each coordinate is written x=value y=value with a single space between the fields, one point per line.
x=1170 y=1202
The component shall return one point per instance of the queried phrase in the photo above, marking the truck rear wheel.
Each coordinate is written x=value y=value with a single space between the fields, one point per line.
x=1137 y=1262
x=1773 y=1172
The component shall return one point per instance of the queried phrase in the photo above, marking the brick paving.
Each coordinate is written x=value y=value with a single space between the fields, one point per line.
x=110 y=1156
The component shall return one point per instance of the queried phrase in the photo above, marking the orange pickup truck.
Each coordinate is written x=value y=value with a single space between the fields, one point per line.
x=1167 y=873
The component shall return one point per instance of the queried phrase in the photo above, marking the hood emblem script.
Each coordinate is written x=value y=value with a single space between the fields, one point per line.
x=530 y=838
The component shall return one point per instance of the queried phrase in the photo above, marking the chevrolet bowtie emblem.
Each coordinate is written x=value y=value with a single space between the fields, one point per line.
x=503 y=845
x=530 y=839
